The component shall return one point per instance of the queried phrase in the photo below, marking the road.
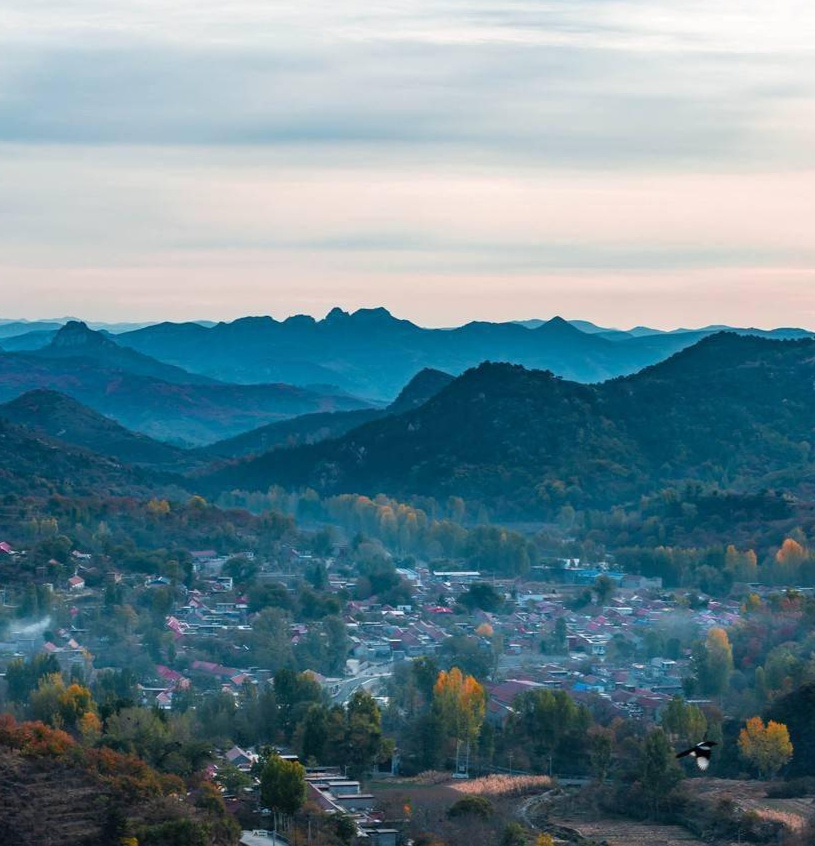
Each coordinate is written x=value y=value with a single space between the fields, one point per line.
x=256 y=838
x=369 y=679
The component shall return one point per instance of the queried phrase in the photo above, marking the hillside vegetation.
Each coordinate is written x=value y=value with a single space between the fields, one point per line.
x=732 y=411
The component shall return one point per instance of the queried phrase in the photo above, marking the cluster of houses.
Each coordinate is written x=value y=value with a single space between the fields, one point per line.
x=546 y=639
x=328 y=789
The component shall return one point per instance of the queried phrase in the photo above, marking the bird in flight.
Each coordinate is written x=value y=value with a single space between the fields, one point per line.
x=701 y=752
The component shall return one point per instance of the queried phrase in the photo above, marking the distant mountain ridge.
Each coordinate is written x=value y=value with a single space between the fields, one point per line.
x=732 y=410
x=151 y=397
x=62 y=418
x=76 y=340
x=371 y=353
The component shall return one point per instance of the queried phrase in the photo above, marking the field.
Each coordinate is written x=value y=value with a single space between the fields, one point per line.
x=618 y=832
x=751 y=796
x=423 y=804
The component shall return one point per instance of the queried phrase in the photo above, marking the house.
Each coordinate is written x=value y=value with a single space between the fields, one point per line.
x=241 y=758
x=76 y=583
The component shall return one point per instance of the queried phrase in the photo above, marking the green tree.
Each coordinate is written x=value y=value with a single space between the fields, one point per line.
x=604 y=588
x=314 y=733
x=659 y=772
x=601 y=751
x=22 y=677
x=684 y=722
x=482 y=595
x=514 y=835
x=344 y=827
x=364 y=732
x=283 y=785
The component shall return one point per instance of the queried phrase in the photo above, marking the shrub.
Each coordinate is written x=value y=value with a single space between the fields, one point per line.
x=476 y=805
x=792 y=789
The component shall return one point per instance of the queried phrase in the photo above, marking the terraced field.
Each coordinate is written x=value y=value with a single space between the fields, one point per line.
x=53 y=806
x=751 y=796
x=629 y=833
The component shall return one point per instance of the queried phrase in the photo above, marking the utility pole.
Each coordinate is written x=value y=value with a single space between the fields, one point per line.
x=510 y=763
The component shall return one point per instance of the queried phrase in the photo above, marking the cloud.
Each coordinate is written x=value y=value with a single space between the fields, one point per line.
x=351 y=146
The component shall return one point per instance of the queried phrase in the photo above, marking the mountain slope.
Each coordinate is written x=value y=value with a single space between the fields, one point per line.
x=371 y=353
x=313 y=428
x=731 y=411
x=34 y=465
x=61 y=417
x=180 y=413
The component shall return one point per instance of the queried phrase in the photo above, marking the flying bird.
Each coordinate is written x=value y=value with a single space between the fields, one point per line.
x=701 y=752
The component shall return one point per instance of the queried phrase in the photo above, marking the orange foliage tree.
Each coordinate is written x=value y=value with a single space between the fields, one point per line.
x=789 y=560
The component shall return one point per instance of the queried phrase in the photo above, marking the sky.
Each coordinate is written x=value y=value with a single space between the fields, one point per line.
x=636 y=162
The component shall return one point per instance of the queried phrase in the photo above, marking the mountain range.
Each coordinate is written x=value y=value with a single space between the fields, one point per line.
x=151 y=397
x=371 y=353
x=368 y=353
x=731 y=411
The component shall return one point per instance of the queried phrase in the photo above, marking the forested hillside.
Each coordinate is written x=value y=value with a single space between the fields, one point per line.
x=732 y=411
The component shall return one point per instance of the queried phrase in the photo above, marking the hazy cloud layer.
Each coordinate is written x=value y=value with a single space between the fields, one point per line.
x=597 y=157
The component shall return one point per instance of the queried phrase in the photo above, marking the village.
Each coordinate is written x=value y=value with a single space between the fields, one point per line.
x=625 y=645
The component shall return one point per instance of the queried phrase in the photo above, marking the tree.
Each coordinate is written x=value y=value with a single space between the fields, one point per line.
x=601 y=750
x=713 y=663
x=789 y=560
x=604 y=588
x=478 y=806
x=546 y=723
x=314 y=733
x=344 y=827
x=482 y=595
x=339 y=645
x=767 y=747
x=363 y=741
x=742 y=566
x=23 y=677
x=232 y=779
x=560 y=638
x=514 y=835
x=294 y=694
x=283 y=785
x=685 y=723
x=461 y=702
x=61 y=706
x=659 y=772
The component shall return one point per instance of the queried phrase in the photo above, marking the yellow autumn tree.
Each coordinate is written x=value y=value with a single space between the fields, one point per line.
x=461 y=702
x=90 y=728
x=718 y=662
x=752 y=604
x=158 y=507
x=544 y=839
x=767 y=747
x=743 y=566
x=789 y=559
